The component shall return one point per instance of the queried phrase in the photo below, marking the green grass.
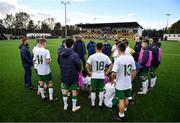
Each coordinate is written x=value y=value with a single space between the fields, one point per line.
x=20 y=104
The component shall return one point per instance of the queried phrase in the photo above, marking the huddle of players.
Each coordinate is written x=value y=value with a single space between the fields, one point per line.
x=123 y=72
x=149 y=57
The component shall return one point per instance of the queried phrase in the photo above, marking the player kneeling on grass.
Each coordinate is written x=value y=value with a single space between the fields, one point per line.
x=70 y=66
x=86 y=83
x=145 y=58
x=98 y=61
x=156 y=53
x=109 y=93
x=124 y=71
x=42 y=56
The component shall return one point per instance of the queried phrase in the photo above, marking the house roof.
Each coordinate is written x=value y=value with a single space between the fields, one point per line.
x=117 y=24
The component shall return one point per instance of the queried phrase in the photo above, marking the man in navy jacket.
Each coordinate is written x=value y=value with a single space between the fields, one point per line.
x=91 y=47
x=80 y=49
x=27 y=62
x=70 y=65
x=107 y=48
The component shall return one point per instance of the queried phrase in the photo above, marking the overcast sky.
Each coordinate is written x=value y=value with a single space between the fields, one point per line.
x=148 y=13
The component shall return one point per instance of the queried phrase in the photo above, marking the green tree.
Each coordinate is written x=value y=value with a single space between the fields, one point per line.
x=57 y=29
x=50 y=22
x=9 y=21
x=21 y=20
x=2 y=28
x=1 y=21
x=175 y=28
x=45 y=27
x=153 y=33
x=31 y=26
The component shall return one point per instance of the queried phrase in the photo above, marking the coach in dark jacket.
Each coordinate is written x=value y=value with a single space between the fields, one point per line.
x=27 y=61
x=80 y=49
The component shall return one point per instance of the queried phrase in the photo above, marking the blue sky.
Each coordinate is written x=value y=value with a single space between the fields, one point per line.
x=148 y=13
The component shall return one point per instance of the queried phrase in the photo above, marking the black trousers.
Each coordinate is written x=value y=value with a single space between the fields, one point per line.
x=83 y=61
x=27 y=76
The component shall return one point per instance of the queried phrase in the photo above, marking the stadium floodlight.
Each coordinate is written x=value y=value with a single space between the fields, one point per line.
x=65 y=2
x=94 y=19
x=167 y=19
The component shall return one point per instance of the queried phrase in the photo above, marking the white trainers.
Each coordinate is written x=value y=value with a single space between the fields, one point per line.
x=74 y=109
x=65 y=107
x=125 y=109
x=142 y=89
x=141 y=93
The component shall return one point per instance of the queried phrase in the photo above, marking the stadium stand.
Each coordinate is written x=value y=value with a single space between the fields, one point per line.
x=126 y=30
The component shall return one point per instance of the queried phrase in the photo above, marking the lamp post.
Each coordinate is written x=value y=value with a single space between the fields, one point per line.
x=65 y=2
x=167 y=20
x=94 y=19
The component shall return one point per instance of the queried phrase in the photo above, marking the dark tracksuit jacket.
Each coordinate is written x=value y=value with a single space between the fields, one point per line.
x=145 y=59
x=155 y=52
x=26 y=57
x=91 y=47
x=60 y=48
x=80 y=49
x=107 y=49
x=70 y=65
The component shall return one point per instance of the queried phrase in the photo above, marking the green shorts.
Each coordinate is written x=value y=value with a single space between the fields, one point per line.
x=122 y=94
x=73 y=86
x=97 y=84
x=144 y=75
x=153 y=71
x=45 y=78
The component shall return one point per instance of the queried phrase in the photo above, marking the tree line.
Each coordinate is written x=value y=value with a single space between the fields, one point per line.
x=174 y=29
x=21 y=23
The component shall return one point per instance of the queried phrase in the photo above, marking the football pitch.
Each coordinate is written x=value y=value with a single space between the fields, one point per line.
x=20 y=104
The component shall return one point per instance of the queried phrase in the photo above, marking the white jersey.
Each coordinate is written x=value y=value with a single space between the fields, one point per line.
x=109 y=94
x=41 y=56
x=115 y=54
x=123 y=67
x=113 y=48
x=33 y=51
x=98 y=61
x=128 y=51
